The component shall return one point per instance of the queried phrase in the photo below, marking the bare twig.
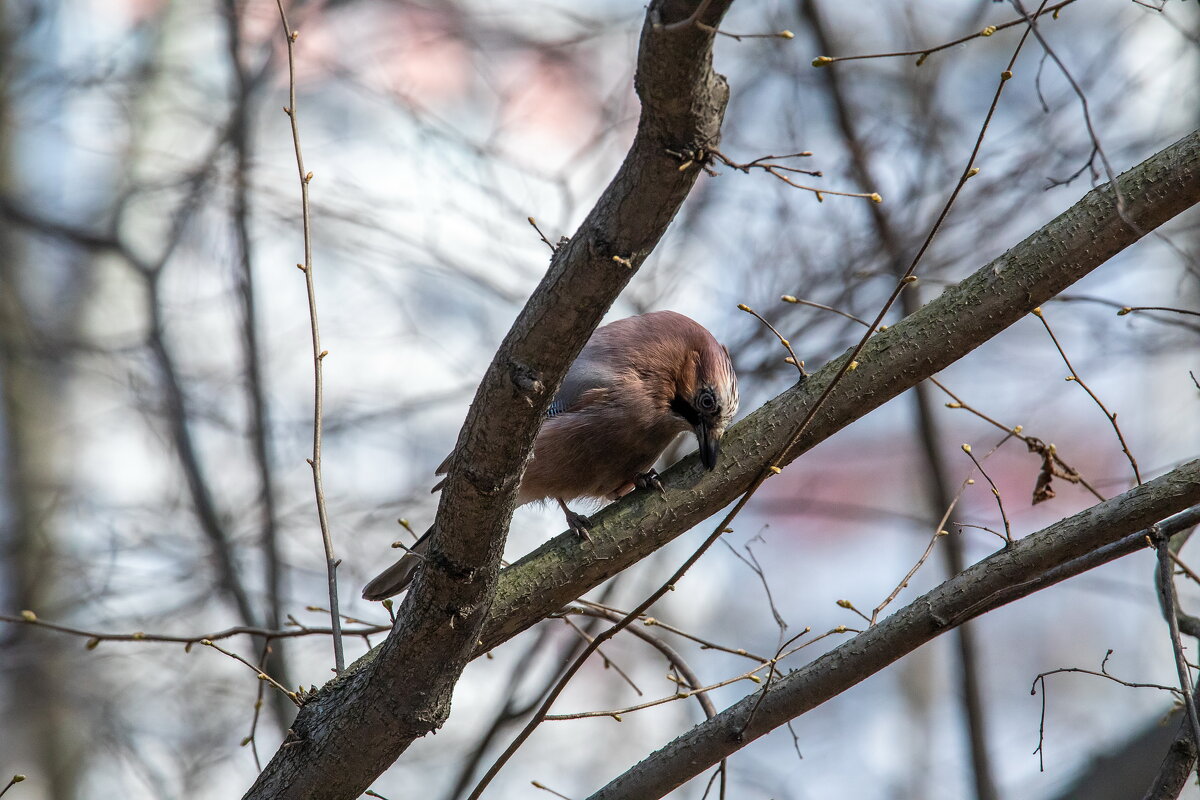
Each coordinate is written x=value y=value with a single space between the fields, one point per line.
x=608 y=662
x=995 y=491
x=1185 y=568
x=787 y=298
x=791 y=359
x=541 y=235
x=822 y=61
x=1102 y=673
x=258 y=702
x=683 y=694
x=750 y=561
x=15 y=779
x=784 y=34
x=705 y=644
x=95 y=637
x=546 y=788
x=1166 y=588
x=769 y=165
x=1074 y=377
x=1130 y=309
x=1053 y=465
x=331 y=563
x=262 y=676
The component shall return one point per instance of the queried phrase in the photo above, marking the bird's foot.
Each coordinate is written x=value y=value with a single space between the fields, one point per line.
x=580 y=524
x=650 y=480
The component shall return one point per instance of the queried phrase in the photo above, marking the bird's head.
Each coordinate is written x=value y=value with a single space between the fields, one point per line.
x=706 y=398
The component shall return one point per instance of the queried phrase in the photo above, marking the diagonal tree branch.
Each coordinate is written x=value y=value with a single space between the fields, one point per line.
x=1005 y=576
x=365 y=718
x=944 y=330
x=359 y=723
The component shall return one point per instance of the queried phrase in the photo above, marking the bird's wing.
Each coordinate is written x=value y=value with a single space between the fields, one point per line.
x=587 y=382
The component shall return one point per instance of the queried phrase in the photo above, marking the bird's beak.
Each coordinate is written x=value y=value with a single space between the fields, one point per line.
x=710 y=443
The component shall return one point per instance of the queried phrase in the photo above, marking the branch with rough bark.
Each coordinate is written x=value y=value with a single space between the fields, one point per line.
x=361 y=722
x=1014 y=572
x=965 y=316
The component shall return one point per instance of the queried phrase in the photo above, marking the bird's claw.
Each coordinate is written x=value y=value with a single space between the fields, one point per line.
x=580 y=524
x=650 y=480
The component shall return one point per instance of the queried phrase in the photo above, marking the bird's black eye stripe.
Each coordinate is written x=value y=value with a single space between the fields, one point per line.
x=685 y=409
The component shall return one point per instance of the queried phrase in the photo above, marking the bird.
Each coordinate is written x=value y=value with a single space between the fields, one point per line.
x=638 y=383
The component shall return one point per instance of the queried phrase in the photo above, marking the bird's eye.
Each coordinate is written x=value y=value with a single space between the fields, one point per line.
x=707 y=402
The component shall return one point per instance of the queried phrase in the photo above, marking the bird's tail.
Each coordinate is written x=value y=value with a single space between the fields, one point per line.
x=398 y=576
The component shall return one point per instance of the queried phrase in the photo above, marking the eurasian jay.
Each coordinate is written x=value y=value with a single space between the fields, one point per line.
x=638 y=383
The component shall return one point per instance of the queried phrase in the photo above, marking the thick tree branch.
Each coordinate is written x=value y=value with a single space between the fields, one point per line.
x=965 y=316
x=1011 y=573
x=359 y=723
x=941 y=332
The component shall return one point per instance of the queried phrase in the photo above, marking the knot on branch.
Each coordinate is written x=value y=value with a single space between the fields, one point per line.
x=940 y=622
x=452 y=569
x=694 y=155
x=528 y=381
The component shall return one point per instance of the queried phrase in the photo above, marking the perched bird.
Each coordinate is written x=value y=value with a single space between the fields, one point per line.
x=638 y=383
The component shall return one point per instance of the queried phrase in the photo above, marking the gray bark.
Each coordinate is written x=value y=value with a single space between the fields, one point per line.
x=361 y=722
x=358 y=724
x=1005 y=576
x=965 y=316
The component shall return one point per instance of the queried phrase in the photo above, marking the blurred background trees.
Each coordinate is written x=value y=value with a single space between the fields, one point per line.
x=156 y=382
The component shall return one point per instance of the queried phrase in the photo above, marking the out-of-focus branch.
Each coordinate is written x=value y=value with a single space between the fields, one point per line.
x=1176 y=769
x=240 y=139
x=936 y=484
x=963 y=597
x=359 y=724
x=178 y=417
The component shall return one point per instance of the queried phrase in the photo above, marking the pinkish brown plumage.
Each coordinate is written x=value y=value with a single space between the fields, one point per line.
x=638 y=383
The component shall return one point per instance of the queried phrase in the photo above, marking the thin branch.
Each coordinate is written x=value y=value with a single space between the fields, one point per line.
x=1001 y=578
x=1040 y=751
x=608 y=662
x=1053 y=465
x=822 y=61
x=792 y=358
x=331 y=563
x=779 y=171
x=546 y=788
x=1166 y=588
x=1130 y=309
x=705 y=644
x=787 y=298
x=1074 y=377
x=95 y=637
x=995 y=491
x=262 y=676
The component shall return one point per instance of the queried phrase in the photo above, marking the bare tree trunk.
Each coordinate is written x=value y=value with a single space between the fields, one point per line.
x=37 y=671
